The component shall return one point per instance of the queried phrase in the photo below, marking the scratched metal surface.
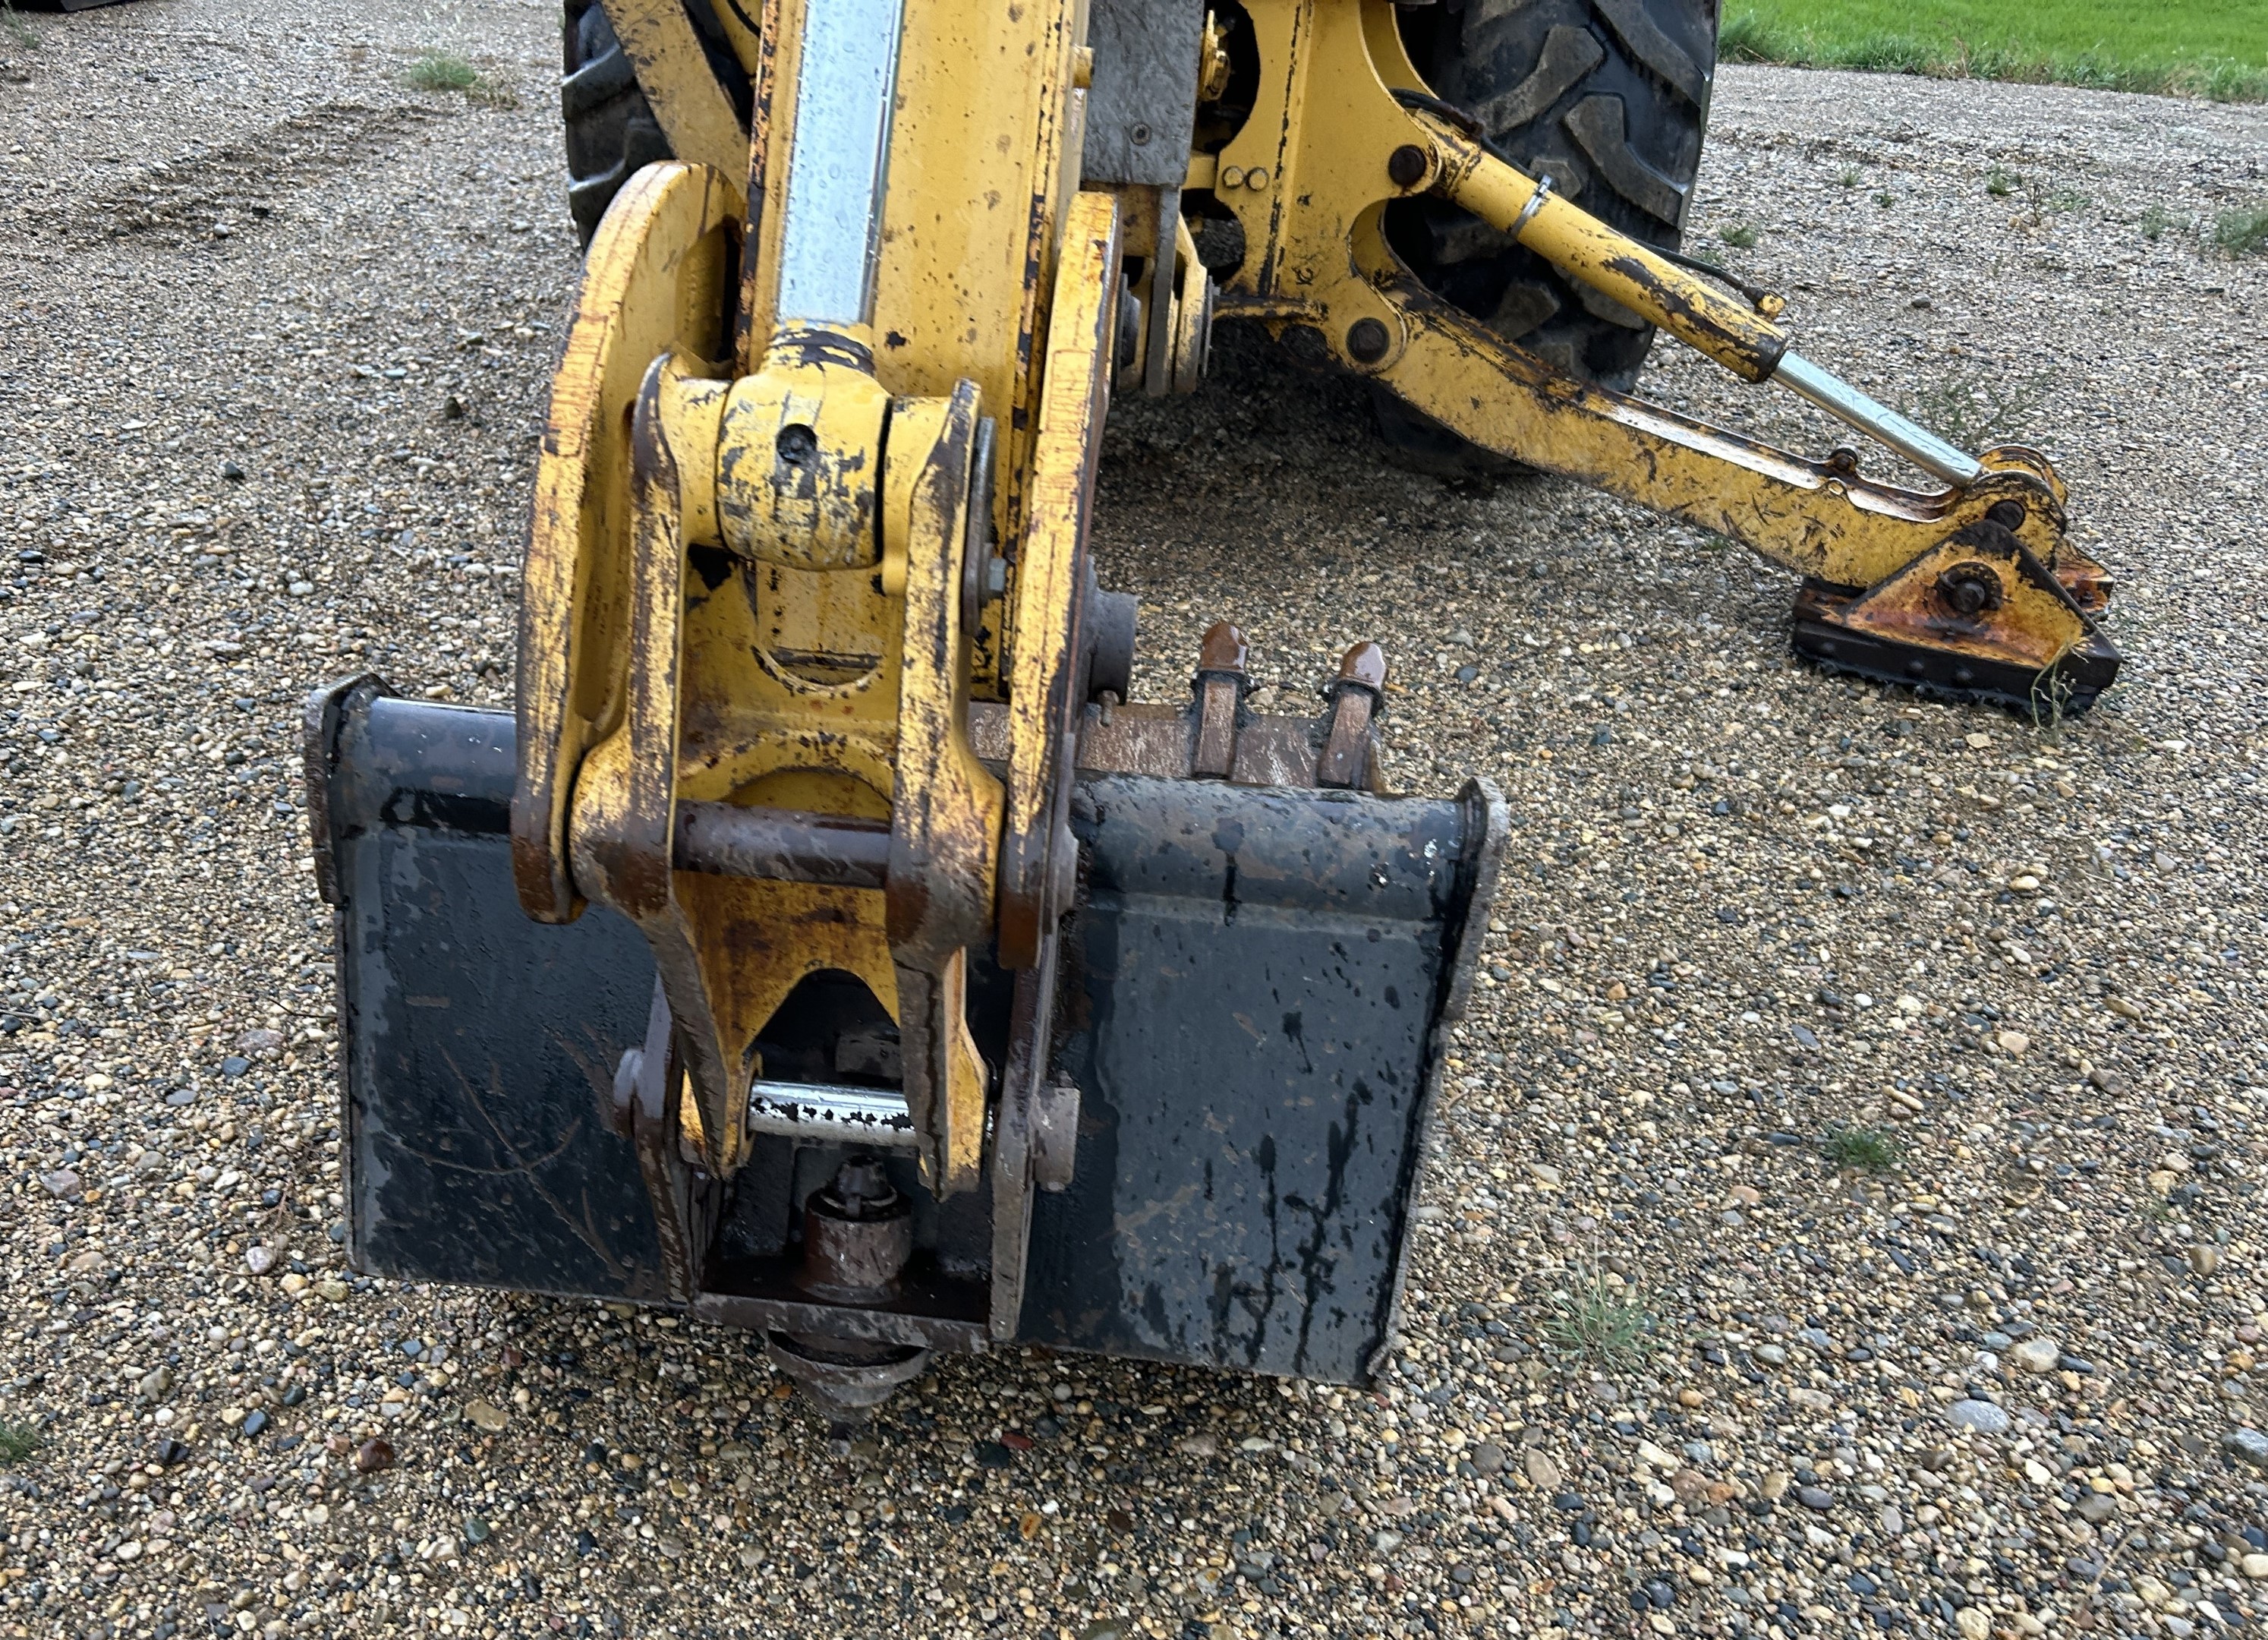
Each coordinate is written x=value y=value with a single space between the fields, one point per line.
x=480 y=1046
x=1253 y=980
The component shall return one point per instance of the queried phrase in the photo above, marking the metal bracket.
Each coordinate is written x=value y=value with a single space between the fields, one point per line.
x=320 y=720
x=1055 y=1135
x=1142 y=103
x=648 y=1084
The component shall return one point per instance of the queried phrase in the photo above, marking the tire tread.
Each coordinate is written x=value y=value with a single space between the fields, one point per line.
x=1610 y=98
x=610 y=129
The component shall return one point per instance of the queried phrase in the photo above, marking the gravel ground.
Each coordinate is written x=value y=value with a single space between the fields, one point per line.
x=1844 y=1211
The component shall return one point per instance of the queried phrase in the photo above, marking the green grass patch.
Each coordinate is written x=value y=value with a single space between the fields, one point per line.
x=17 y=1442
x=1601 y=1320
x=1741 y=235
x=2212 y=49
x=446 y=70
x=1862 y=1150
x=2242 y=231
x=22 y=32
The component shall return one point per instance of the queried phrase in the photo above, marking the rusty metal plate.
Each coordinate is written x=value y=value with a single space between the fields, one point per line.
x=1943 y=673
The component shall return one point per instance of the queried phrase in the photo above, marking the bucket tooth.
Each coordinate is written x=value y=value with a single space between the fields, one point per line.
x=1222 y=680
x=1357 y=697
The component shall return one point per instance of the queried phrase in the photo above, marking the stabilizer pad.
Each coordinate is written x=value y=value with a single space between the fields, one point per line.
x=2067 y=690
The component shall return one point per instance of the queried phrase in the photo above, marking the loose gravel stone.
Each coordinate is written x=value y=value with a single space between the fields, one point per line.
x=2034 y=1355
x=2247 y=1446
x=1983 y=1416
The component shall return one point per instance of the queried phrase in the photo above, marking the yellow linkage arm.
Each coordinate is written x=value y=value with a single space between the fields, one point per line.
x=1690 y=308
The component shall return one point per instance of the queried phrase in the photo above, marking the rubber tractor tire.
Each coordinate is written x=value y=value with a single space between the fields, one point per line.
x=610 y=126
x=1609 y=99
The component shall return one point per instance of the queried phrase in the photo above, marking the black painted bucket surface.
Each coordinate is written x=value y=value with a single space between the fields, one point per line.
x=1255 y=979
x=1249 y=1004
x=480 y=1046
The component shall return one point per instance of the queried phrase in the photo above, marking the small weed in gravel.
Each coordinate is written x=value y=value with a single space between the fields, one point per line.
x=1600 y=1321
x=2242 y=231
x=1977 y=407
x=1849 y=177
x=2042 y=201
x=2001 y=183
x=1886 y=199
x=2052 y=693
x=1862 y=1150
x=17 y=1442
x=2155 y=220
x=1739 y=236
x=443 y=71
x=446 y=71
x=22 y=32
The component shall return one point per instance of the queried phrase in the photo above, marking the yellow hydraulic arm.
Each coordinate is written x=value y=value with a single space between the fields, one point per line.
x=1972 y=588
x=816 y=484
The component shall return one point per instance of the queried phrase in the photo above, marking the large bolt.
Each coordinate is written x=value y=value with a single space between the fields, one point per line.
x=864 y=1188
x=857 y=1234
x=2007 y=514
x=1368 y=340
x=797 y=444
x=1406 y=166
x=1971 y=590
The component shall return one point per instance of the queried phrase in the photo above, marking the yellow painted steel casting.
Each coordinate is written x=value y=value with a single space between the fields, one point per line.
x=821 y=658
x=792 y=419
